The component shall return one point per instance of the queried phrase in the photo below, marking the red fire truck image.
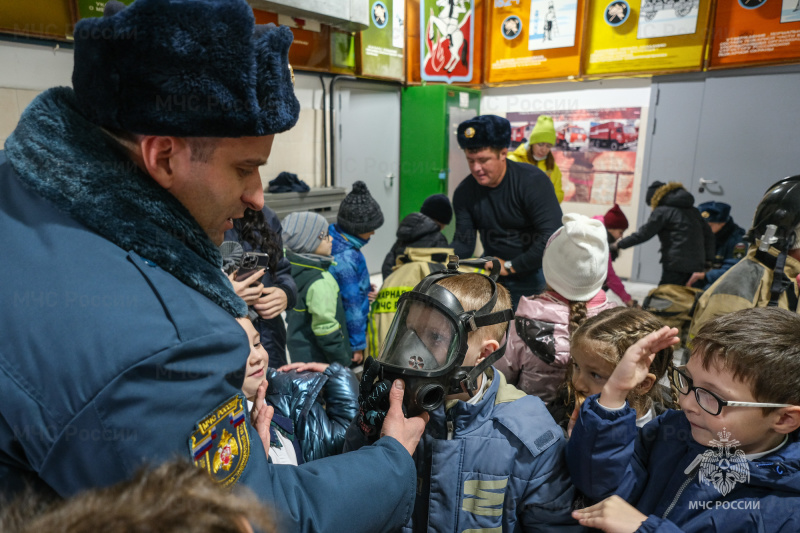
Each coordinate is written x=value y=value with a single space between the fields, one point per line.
x=571 y=137
x=613 y=135
x=518 y=133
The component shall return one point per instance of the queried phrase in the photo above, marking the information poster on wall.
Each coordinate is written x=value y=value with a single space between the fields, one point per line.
x=534 y=39
x=639 y=36
x=381 y=45
x=447 y=29
x=755 y=31
x=596 y=151
x=94 y=8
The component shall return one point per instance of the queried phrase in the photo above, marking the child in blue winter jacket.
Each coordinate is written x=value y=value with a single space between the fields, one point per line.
x=491 y=457
x=728 y=462
x=358 y=218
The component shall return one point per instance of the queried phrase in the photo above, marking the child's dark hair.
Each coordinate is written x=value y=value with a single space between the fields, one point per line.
x=613 y=331
x=760 y=346
x=254 y=230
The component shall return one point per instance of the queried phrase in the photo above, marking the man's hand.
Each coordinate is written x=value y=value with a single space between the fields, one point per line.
x=373 y=292
x=612 y=515
x=503 y=270
x=697 y=276
x=358 y=357
x=261 y=416
x=406 y=430
x=635 y=365
x=243 y=289
x=272 y=302
x=304 y=367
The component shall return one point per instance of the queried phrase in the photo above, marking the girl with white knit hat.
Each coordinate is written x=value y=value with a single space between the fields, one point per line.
x=575 y=264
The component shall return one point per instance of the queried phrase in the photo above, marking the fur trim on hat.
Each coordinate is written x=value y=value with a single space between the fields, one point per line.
x=188 y=69
x=94 y=183
x=662 y=191
x=484 y=131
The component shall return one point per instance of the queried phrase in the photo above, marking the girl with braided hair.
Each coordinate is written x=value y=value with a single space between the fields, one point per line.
x=575 y=264
x=596 y=348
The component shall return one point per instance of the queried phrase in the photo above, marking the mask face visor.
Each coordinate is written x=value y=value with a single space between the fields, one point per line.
x=422 y=340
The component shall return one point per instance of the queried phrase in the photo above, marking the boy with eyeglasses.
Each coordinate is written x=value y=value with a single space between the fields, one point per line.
x=728 y=462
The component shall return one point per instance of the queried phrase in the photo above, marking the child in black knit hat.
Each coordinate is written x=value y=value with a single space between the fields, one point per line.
x=421 y=230
x=359 y=216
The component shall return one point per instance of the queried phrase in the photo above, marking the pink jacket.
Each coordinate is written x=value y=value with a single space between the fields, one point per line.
x=612 y=280
x=537 y=353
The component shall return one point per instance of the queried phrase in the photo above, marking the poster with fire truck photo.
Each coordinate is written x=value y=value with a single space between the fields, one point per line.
x=596 y=151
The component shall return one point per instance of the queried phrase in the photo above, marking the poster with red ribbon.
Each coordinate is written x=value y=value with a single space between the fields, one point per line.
x=447 y=30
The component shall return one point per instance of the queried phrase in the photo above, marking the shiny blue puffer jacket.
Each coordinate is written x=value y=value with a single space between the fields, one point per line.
x=319 y=404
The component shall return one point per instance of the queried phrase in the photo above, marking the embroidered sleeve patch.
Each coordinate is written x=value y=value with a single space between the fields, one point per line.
x=220 y=443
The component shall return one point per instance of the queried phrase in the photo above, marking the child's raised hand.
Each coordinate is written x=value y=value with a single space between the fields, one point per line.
x=261 y=416
x=304 y=367
x=612 y=515
x=634 y=366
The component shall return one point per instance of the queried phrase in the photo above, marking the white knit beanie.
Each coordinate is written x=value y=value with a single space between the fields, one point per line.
x=575 y=261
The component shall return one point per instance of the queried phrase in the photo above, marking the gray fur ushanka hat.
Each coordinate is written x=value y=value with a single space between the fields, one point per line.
x=188 y=68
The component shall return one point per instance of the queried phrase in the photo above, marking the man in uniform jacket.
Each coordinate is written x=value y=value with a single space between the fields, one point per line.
x=120 y=345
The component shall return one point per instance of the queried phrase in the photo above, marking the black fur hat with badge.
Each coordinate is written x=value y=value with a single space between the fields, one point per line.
x=188 y=69
x=484 y=131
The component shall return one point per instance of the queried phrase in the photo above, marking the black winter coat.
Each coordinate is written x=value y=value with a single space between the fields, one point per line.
x=417 y=231
x=687 y=242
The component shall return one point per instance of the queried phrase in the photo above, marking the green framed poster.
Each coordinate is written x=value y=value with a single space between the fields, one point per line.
x=382 y=44
x=94 y=8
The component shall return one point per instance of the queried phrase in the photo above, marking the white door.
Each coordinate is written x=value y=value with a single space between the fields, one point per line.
x=726 y=138
x=367 y=126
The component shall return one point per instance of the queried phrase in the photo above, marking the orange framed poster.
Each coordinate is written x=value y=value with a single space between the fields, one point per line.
x=534 y=39
x=428 y=45
x=645 y=36
x=755 y=31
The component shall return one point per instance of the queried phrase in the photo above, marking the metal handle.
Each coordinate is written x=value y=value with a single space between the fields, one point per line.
x=704 y=181
x=390 y=182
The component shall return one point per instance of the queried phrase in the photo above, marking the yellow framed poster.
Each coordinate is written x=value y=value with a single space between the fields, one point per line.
x=645 y=36
x=534 y=39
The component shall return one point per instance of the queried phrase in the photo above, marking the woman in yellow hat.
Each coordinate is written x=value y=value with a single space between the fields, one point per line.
x=537 y=152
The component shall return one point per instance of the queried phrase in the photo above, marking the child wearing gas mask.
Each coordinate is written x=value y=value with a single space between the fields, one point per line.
x=575 y=263
x=306 y=410
x=596 y=348
x=728 y=461
x=491 y=457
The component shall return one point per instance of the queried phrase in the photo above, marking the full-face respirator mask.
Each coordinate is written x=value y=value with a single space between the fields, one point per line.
x=427 y=341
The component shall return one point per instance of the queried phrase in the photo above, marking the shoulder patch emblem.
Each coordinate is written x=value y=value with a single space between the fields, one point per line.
x=220 y=444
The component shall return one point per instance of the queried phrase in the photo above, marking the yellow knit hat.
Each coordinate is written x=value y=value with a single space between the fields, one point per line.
x=543 y=131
